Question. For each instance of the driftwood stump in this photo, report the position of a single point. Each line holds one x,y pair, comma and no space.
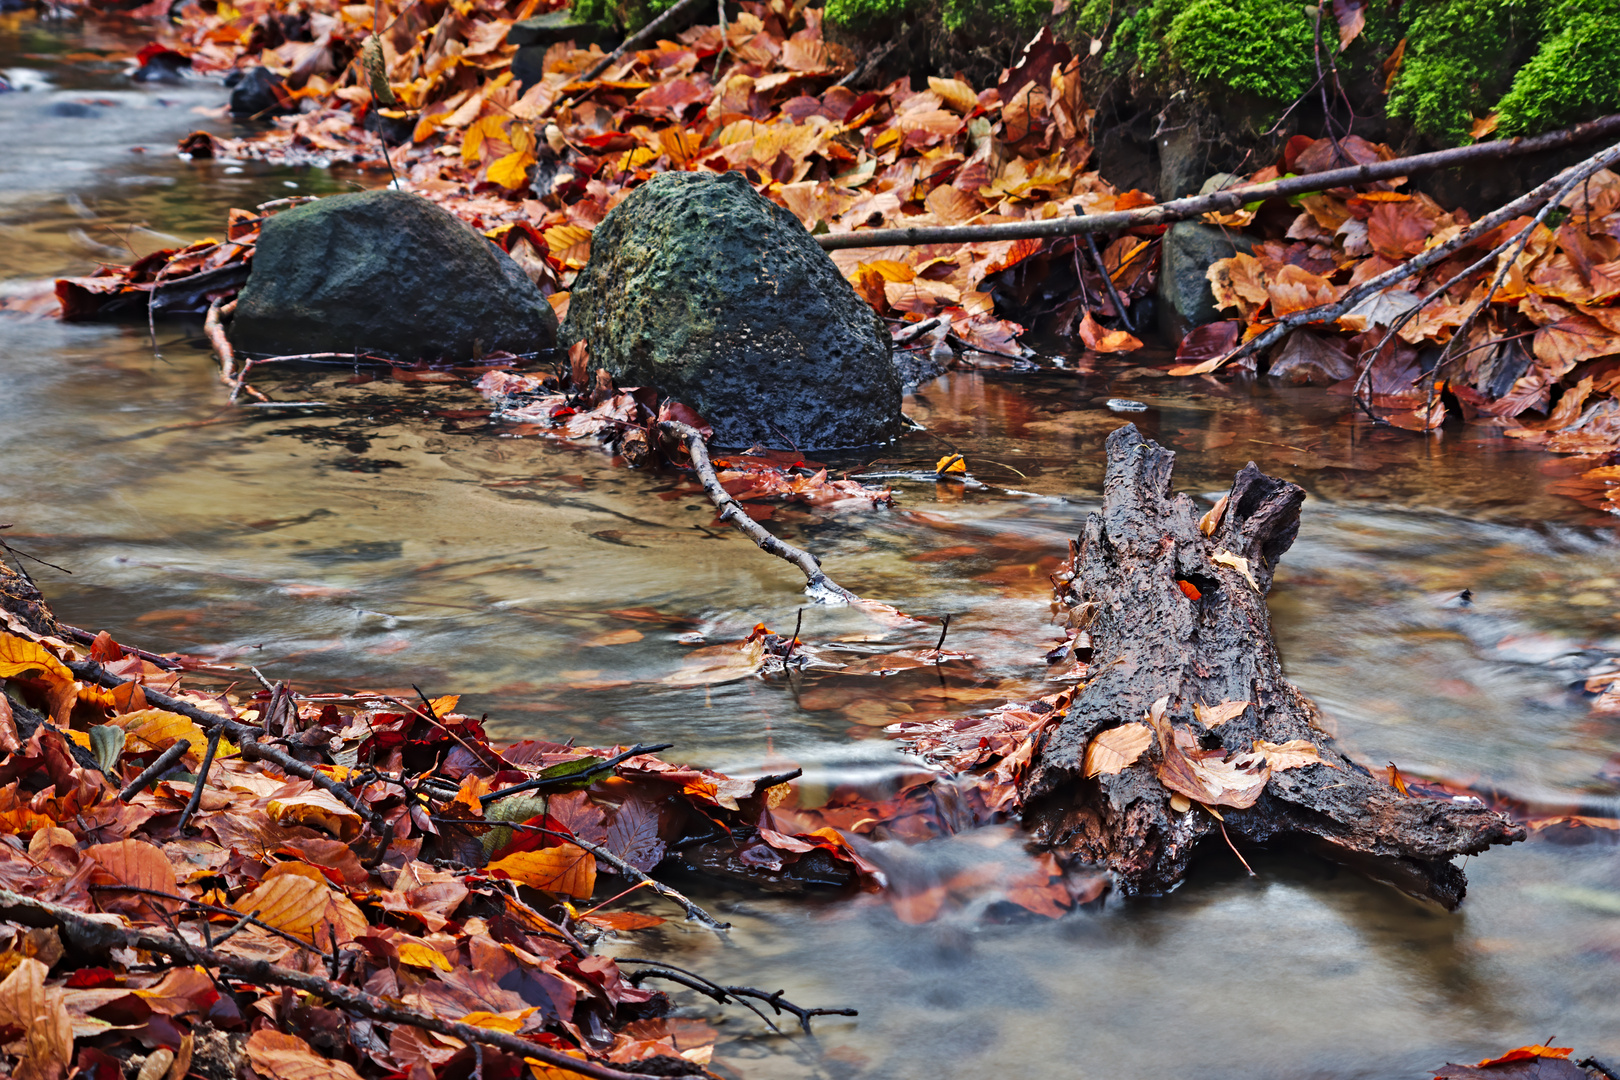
1151,639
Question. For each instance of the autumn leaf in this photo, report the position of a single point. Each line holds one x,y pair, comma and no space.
301,903
139,864
1236,562
567,870
625,636
1213,716
1212,519
46,1042
1293,754
1239,282
318,810
20,657
622,920
511,171
1116,749
955,93
1204,776
415,954
951,463
276,1056
1100,340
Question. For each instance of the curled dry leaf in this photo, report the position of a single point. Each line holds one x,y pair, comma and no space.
42,1016
1116,749
318,810
1212,519
1236,562
276,1056
1293,754
567,870
1213,716
1203,776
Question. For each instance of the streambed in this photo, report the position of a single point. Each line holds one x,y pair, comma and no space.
394,536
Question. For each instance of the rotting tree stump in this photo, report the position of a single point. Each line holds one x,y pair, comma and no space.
1150,639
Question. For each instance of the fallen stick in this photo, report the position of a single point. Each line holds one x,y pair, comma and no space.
245,736
1416,265
641,37
163,764
821,588
102,933
1227,199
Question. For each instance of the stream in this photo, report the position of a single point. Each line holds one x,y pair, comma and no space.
392,535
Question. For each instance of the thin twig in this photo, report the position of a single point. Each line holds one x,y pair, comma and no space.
605,765
1226,199
1108,282
85,637
202,779
777,1001
163,764
100,933
1419,263
215,908
821,588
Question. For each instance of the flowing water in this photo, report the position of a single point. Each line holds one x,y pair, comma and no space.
392,536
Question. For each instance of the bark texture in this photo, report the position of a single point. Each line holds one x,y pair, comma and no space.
1149,640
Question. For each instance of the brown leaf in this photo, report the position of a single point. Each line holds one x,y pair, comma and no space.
296,898
567,870
47,1039
318,810
1239,282
275,1056
1098,339
1567,342
633,836
1116,749
1202,776
136,863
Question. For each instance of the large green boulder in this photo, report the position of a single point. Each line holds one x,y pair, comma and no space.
390,273
718,298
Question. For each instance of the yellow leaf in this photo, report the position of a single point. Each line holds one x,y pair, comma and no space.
888,269
493,1021
318,810
511,171
570,245
1236,562
288,899
19,656
636,157
154,729
416,954
1114,750
951,463
444,706
568,870
488,127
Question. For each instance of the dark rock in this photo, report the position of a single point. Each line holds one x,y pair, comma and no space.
255,95
386,272
1185,298
1183,161
73,110
548,29
395,129
1308,359
716,297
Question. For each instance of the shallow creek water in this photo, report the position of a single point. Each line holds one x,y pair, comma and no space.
393,536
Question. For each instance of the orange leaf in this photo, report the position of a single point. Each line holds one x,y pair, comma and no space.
1213,716
275,1056
623,920
318,810
951,463
289,900
1189,590
139,864
567,869
1525,1053
1100,340
19,656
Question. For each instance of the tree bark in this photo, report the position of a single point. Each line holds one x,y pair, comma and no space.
1151,640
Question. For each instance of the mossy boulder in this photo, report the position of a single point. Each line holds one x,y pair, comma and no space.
390,273
718,298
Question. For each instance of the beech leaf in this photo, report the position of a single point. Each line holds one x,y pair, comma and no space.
276,1056
1116,749
567,870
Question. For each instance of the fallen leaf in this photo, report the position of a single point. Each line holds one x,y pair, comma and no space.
1116,749
318,810
41,1015
415,954
1236,562
1212,518
1213,716
276,1056
1293,754
567,870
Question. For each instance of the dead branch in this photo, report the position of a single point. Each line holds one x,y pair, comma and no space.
663,969
245,736
163,764
645,35
101,933
1551,190
818,586
1227,199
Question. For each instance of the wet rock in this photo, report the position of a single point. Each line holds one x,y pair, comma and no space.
534,36
716,297
1185,299
1308,359
255,95
390,273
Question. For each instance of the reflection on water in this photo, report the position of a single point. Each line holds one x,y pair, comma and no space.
393,537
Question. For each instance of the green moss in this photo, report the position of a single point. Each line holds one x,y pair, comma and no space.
627,15
1258,47
862,14
1460,57
1574,75
1019,16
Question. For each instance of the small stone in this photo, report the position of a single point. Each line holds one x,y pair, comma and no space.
1116,404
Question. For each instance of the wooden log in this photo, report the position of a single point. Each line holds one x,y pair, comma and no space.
1152,640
